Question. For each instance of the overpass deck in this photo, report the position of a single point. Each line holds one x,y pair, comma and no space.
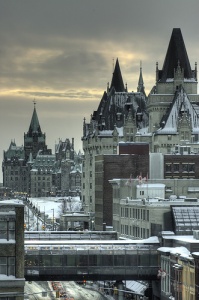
91,260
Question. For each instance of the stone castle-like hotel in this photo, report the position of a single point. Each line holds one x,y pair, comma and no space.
32,169
166,121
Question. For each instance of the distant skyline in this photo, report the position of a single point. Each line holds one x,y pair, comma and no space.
61,54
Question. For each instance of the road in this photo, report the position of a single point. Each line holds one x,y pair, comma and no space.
72,289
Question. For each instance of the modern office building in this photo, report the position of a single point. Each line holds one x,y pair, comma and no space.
141,208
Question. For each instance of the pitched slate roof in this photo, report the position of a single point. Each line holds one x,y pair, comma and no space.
117,81
176,54
14,151
180,106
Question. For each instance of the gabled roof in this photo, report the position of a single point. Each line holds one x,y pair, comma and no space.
181,105
34,124
14,151
117,81
176,54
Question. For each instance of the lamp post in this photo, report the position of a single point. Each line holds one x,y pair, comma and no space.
53,218
44,219
28,218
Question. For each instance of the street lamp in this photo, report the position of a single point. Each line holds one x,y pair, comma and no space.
44,219
53,218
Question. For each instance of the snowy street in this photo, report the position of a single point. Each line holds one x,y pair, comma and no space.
73,291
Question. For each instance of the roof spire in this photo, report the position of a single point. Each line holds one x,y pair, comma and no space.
34,124
140,87
176,54
117,81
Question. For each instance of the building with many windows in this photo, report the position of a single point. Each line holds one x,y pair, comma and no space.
12,249
166,119
32,169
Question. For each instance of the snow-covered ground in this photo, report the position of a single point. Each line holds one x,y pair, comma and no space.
51,207
54,205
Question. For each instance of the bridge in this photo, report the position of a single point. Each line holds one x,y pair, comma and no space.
77,260
70,235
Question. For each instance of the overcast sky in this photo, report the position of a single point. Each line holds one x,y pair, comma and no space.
60,53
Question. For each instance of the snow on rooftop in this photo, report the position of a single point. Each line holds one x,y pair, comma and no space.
183,251
13,202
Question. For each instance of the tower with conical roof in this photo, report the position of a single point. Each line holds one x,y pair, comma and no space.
34,139
117,80
176,72
107,127
140,88
176,84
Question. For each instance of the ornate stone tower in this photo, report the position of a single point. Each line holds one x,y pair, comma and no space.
34,139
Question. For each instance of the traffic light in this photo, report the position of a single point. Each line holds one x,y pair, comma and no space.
84,282
43,227
57,294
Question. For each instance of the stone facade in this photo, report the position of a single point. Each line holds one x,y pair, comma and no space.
12,248
140,210
33,170
167,118
115,166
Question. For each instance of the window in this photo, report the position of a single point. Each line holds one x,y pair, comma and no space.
191,168
176,167
7,265
184,167
168,167
7,230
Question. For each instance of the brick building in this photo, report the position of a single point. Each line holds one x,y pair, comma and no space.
129,165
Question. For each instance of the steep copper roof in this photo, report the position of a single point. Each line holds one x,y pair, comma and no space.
176,55
34,124
117,81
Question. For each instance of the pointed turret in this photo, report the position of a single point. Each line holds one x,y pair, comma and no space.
34,139
117,81
176,54
140,87
34,124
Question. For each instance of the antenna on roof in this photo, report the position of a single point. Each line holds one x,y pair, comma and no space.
34,102
140,64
